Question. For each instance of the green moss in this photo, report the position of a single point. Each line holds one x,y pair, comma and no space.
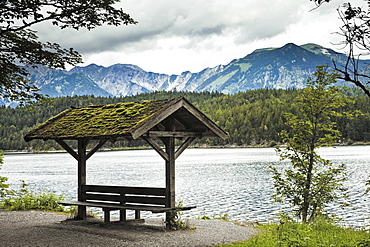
93,121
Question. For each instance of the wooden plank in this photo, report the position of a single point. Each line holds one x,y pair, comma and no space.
67,148
125,189
181,120
103,197
153,209
156,147
183,146
146,191
128,199
114,206
145,200
176,134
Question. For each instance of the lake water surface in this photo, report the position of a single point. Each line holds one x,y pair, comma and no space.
218,181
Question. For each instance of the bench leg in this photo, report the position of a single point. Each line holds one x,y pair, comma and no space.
106,215
122,215
81,212
137,214
169,217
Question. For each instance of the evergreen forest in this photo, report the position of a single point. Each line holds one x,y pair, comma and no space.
252,118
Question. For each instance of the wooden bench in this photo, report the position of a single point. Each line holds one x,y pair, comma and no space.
121,198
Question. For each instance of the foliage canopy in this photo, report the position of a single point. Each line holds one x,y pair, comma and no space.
20,48
312,182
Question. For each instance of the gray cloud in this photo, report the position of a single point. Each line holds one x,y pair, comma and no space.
248,20
192,25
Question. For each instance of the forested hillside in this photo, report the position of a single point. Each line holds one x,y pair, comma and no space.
251,118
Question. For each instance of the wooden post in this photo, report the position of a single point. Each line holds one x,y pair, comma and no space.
122,212
170,170
82,157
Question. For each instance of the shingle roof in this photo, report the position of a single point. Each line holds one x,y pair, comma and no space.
129,120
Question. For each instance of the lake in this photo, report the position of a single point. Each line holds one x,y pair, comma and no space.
235,181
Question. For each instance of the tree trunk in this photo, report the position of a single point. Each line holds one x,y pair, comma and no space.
306,193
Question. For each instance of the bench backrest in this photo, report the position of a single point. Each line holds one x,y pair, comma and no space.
125,195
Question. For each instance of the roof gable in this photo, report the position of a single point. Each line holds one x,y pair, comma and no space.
124,120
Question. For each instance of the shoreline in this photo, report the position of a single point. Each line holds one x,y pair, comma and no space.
13,152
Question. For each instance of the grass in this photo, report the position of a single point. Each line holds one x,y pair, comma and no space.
318,234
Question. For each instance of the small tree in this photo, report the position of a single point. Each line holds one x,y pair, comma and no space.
312,182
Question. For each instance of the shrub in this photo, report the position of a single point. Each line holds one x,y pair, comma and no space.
175,221
24,199
3,185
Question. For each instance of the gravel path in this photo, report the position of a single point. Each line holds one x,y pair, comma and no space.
35,228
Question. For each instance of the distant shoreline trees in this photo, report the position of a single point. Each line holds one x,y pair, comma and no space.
252,118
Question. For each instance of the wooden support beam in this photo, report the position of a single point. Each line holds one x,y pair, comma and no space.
156,147
170,169
183,146
156,119
205,120
137,214
181,123
67,148
82,144
96,148
176,134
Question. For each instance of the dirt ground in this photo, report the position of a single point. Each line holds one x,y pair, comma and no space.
36,228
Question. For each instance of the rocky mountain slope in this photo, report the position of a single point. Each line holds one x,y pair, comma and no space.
280,68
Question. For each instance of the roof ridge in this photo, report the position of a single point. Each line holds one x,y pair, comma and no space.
128,102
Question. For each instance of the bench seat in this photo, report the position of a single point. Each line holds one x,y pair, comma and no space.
110,206
124,198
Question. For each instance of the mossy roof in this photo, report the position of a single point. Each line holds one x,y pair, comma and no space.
116,120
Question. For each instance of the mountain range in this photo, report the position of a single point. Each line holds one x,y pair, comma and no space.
285,67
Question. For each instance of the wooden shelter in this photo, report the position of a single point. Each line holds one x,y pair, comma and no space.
153,121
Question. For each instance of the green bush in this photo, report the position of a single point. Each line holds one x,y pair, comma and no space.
3,185
24,199
175,221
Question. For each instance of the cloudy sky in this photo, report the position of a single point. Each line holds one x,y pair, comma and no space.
175,36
